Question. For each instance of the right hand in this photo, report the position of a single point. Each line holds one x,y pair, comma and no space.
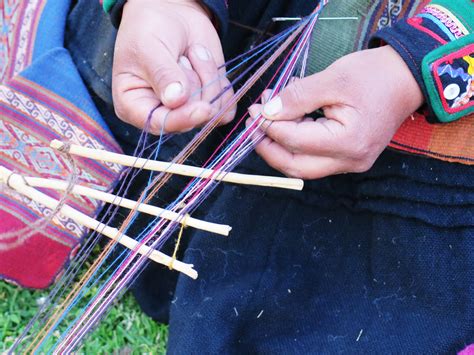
166,51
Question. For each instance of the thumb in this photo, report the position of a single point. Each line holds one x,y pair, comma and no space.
166,77
301,97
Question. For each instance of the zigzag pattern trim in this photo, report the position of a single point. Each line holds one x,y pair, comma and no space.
453,73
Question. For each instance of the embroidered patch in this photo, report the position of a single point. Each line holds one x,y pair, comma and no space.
448,73
444,20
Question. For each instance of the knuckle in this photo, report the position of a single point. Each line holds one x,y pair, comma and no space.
361,151
341,76
297,93
291,144
120,110
363,165
209,71
293,171
163,75
341,79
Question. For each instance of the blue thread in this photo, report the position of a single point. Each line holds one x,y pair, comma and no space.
453,73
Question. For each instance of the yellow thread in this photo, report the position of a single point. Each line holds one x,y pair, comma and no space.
184,224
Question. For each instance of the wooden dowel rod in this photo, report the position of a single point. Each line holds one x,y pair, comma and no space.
61,185
16,182
178,169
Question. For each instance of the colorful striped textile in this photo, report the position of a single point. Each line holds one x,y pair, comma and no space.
450,141
42,97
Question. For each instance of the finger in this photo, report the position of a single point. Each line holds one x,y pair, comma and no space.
205,66
257,119
308,136
182,119
302,97
257,134
266,96
133,100
227,99
296,165
255,110
133,105
165,75
193,78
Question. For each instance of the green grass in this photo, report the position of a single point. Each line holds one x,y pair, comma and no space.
126,329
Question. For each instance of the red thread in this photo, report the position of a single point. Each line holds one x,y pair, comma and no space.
417,23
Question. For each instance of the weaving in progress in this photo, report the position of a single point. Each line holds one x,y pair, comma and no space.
70,196
69,221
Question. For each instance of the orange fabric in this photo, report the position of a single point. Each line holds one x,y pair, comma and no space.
453,142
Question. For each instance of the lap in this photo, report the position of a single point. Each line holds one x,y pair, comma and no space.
334,271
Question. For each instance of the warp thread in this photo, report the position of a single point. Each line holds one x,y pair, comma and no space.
223,159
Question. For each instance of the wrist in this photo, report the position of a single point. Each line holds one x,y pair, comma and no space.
194,4
409,92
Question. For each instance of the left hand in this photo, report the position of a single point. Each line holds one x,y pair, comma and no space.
365,97
168,54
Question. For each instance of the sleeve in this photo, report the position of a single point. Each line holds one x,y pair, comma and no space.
218,8
108,4
438,46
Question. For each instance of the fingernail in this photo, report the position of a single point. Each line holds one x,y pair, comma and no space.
202,52
184,61
273,107
173,91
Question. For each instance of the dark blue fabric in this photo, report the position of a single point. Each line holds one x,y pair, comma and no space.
333,274
219,10
380,262
217,7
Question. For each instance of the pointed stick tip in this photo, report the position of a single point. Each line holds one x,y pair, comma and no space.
56,144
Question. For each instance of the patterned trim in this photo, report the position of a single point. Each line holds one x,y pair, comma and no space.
27,125
449,142
28,213
445,20
448,75
20,19
452,36
30,117
417,23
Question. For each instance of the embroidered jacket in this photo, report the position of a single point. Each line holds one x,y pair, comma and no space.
438,46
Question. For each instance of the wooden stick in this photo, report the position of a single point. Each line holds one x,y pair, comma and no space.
16,182
179,169
61,185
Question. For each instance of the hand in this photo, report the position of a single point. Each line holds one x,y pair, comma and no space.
166,51
365,97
